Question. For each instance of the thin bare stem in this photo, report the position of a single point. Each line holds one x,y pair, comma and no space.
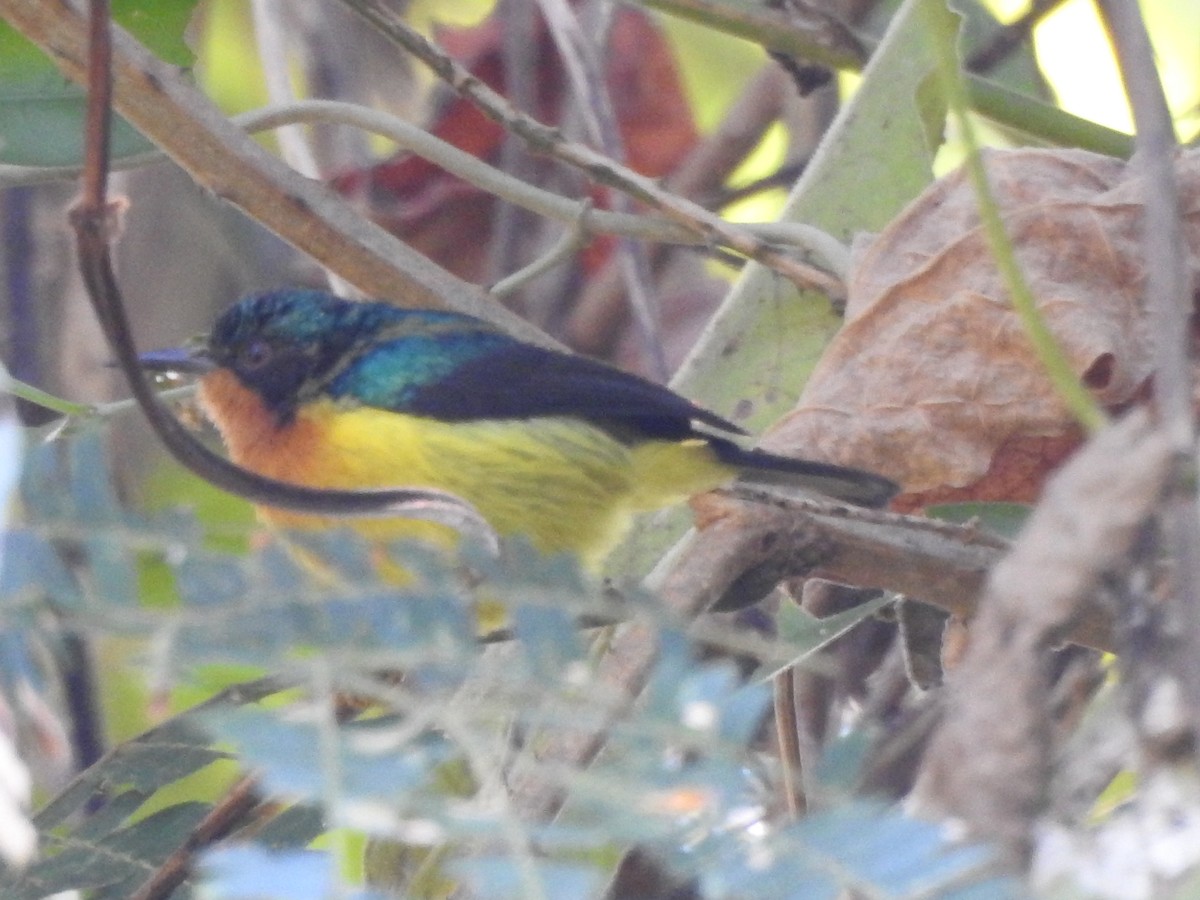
586,73
564,248
826,249
544,139
784,33
269,32
229,812
787,733
1008,38
1169,302
817,36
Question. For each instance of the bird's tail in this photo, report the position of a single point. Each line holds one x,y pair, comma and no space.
840,482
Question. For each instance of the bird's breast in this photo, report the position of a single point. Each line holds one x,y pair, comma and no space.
251,432
561,481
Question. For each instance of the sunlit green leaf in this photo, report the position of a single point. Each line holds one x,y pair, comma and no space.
41,113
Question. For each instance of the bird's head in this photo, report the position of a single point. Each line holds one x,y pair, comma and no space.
289,347
283,345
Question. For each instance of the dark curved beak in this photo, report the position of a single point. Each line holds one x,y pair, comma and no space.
185,360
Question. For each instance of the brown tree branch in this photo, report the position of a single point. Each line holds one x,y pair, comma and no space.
937,563
227,814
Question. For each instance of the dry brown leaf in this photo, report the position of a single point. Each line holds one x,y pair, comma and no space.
932,380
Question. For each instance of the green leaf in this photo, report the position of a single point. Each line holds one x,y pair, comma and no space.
1018,70
508,877
859,848
293,829
144,764
264,609
732,710
162,756
801,634
41,112
111,815
680,773
113,863
34,572
159,25
47,129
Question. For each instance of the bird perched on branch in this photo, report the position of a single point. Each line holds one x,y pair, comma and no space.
312,389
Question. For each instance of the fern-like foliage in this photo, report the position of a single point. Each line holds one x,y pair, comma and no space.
381,721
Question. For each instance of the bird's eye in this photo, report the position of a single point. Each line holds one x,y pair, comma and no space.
254,355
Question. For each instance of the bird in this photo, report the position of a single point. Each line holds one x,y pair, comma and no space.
313,389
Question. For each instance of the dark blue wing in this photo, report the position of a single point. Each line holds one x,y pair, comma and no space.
518,381
456,368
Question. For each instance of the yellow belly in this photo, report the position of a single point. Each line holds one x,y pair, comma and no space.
566,485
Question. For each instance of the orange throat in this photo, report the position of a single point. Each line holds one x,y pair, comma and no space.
256,441
250,431
305,451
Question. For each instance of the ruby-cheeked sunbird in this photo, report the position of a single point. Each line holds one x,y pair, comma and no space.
309,388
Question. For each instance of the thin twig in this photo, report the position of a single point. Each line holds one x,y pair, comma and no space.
787,733
580,59
1082,405
564,248
226,816
269,34
547,140
777,31
598,315
1004,40
98,123
1169,304
822,247
831,254
817,36
543,202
